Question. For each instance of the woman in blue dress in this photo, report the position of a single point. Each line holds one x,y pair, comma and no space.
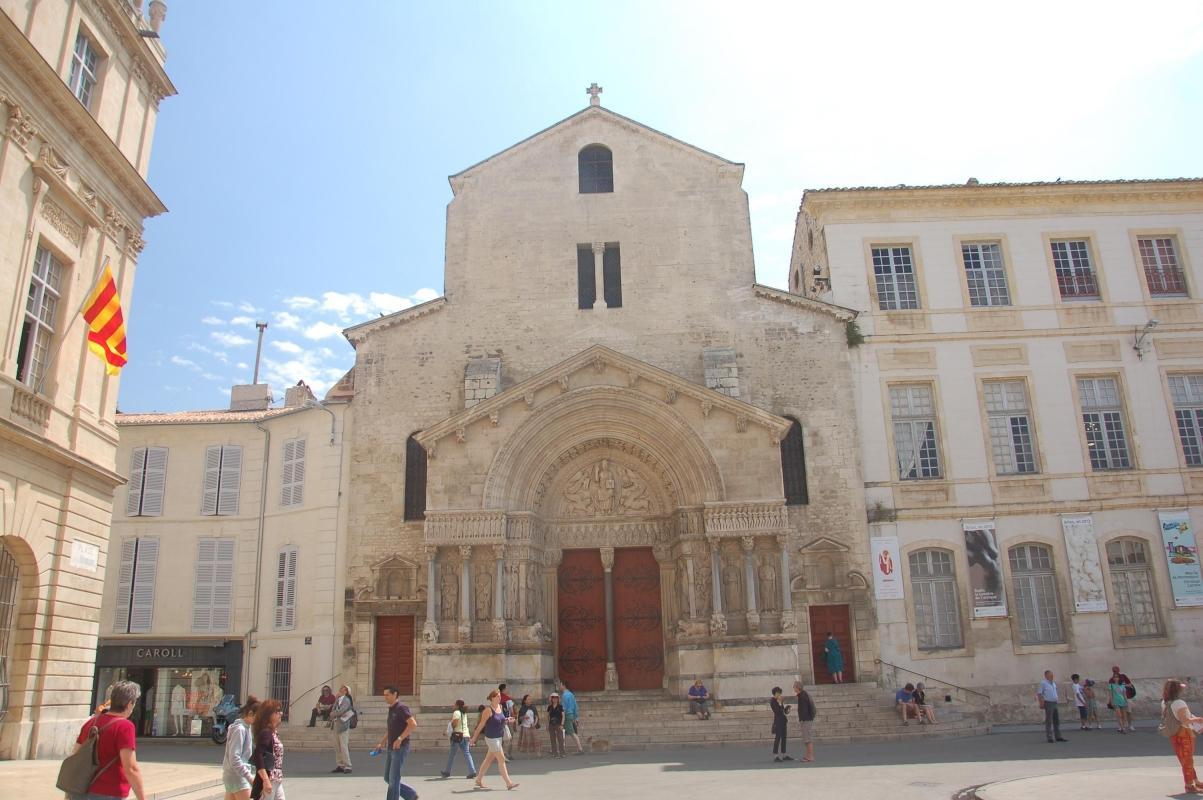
835,659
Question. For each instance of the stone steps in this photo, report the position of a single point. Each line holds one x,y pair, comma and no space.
647,720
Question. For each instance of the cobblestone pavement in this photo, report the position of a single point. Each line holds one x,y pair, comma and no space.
893,770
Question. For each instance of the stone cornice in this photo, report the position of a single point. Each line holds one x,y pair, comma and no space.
835,205
44,83
358,333
147,64
599,358
798,301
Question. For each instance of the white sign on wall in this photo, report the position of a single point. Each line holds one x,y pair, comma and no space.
1085,572
85,556
887,574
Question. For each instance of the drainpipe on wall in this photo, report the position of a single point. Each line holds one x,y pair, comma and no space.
338,499
250,634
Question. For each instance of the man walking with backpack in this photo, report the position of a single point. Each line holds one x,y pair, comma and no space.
104,764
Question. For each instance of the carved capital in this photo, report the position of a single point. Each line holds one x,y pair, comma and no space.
20,127
741,424
431,551
465,552
746,543
707,407
461,435
718,625
607,558
494,418
782,541
599,249
430,632
499,551
670,395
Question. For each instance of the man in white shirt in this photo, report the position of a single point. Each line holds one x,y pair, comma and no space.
1046,696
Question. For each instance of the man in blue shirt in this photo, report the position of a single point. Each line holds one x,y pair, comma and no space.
904,701
698,700
572,715
1047,697
401,724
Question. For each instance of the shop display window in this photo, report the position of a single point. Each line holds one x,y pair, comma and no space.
176,701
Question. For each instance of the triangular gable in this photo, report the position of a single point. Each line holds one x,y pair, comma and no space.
456,180
599,357
823,544
807,303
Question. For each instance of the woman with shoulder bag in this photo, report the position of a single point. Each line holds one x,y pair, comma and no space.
1176,724
340,724
119,771
493,724
269,753
457,729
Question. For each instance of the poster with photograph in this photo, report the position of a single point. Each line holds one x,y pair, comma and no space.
985,570
1085,571
887,574
1182,555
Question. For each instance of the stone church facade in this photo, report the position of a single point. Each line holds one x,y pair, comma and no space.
605,454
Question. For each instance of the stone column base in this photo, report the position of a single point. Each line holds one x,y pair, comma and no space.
753,618
430,632
465,632
611,677
718,625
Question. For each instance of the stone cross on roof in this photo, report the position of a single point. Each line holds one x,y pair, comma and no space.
593,91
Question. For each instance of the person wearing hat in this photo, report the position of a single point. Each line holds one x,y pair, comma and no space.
555,725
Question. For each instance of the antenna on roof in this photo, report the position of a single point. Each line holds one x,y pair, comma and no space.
262,326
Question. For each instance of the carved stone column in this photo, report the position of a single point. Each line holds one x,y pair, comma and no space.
693,603
607,558
550,576
747,544
718,622
499,628
430,630
788,623
465,594
599,278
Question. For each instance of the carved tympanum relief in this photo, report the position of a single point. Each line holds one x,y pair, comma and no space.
606,488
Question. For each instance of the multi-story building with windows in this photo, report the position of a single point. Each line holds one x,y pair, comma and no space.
228,565
1030,391
80,87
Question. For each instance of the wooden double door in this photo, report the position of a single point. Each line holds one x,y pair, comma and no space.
637,620
394,654
835,619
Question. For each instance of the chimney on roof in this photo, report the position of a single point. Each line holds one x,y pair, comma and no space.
297,396
971,182
250,397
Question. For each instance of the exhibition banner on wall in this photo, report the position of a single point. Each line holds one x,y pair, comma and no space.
985,570
1182,555
887,576
1085,571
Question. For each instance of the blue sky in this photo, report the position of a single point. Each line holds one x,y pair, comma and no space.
305,159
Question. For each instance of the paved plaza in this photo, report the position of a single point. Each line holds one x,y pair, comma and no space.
1097,764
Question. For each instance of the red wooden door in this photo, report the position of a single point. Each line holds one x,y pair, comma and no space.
834,619
395,654
581,626
638,640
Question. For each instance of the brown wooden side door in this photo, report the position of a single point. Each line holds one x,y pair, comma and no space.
581,623
834,619
395,654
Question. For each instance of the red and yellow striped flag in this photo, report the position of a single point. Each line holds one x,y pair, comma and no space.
106,326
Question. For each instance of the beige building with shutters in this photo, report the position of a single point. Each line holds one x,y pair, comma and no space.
80,88
1030,406
228,570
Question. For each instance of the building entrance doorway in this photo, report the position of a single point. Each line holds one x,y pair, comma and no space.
834,619
395,654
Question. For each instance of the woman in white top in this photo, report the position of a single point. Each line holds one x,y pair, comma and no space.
458,731
1176,714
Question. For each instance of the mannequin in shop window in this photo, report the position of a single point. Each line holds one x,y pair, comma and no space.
179,708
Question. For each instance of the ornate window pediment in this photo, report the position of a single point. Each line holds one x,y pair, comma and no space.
395,578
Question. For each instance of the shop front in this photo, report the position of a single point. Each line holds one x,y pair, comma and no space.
182,681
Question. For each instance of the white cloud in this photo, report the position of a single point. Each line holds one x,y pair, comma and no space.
213,321
242,365
186,362
287,347
322,330
220,355
424,295
246,308
388,303
246,322
222,303
210,376
286,320
345,304
230,339
300,303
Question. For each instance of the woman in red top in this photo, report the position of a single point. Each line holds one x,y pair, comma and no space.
115,748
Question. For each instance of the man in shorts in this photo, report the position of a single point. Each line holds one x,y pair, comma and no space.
572,716
807,711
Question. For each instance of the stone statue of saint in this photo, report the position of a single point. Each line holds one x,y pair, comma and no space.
701,590
449,594
732,587
683,588
769,591
534,595
484,595
511,591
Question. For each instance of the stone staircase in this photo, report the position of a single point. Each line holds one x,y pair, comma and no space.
652,720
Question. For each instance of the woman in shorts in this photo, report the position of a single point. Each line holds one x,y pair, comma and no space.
237,774
493,724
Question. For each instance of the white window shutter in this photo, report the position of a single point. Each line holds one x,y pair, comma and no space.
223,585
202,596
212,480
286,589
133,489
292,477
125,580
231,477
142,611
154,482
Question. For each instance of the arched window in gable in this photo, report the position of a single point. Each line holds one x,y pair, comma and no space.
595,169
793,466
415,480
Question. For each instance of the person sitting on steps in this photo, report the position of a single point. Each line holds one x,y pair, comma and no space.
699,700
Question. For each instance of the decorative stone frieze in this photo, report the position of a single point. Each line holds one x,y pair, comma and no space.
454,527
742,519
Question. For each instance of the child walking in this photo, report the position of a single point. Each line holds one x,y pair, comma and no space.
1092,706
780,721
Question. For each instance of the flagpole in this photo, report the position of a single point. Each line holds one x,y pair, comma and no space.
63,339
